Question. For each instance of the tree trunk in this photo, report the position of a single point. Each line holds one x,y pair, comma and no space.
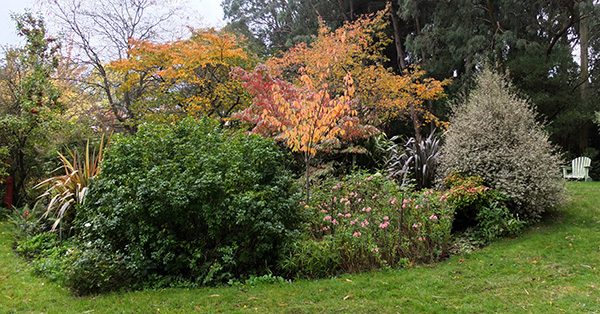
307,164
584,44
400,54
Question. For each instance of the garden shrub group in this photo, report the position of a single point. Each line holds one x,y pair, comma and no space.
494,135
480,210
189,202
368,222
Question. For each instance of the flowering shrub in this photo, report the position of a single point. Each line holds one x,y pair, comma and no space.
369,222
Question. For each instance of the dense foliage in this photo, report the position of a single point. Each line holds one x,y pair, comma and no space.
29,104
494,135
480,211
189,202
365,222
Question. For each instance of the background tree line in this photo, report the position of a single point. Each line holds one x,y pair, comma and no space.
121,64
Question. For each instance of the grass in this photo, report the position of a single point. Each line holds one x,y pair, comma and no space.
553,267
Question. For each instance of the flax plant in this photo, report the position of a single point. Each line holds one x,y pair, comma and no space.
69,189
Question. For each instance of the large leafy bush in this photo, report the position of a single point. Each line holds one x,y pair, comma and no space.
189,203
494,134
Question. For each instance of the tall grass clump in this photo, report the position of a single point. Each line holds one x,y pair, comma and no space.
494,134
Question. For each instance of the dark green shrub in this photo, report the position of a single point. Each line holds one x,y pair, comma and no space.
34,246
191,202
494,134
481,211
365,222
91,269
495,221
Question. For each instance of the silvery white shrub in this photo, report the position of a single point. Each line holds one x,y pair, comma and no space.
494,134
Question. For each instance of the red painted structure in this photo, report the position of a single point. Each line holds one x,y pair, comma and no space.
8,199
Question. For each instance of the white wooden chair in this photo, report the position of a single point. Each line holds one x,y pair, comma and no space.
580,167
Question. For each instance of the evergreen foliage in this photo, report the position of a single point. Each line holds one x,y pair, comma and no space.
494,134
190,203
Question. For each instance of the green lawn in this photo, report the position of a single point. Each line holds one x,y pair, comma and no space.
554,267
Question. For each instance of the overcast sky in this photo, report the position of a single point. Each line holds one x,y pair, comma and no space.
210,10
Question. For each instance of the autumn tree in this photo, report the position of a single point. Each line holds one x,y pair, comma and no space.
306,119
29,100
357,49
186,77
102,30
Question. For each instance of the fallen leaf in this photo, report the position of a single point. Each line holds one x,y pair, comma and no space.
534,261
348,280
347,297
283,304
588,266
252,298
198,308
213,295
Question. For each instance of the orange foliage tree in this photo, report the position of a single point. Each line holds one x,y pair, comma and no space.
306,119
357,49
186,77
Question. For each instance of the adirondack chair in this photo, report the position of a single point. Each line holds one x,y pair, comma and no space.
580,167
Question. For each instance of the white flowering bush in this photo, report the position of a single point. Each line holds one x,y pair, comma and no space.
494,134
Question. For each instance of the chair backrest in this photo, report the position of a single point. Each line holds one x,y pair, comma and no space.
579,165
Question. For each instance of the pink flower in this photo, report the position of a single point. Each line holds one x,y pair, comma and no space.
386,218
340,215
362,224
325,228
324,211
374,196
417,225
425,199
443,198
348,215
384,225
433,217
369,178
356,234
421,239
375,250
347,202
352,222
334,222
393,201
335,198
327,218
366,222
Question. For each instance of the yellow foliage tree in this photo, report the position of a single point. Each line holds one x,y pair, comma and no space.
306,119
357,49
186,77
